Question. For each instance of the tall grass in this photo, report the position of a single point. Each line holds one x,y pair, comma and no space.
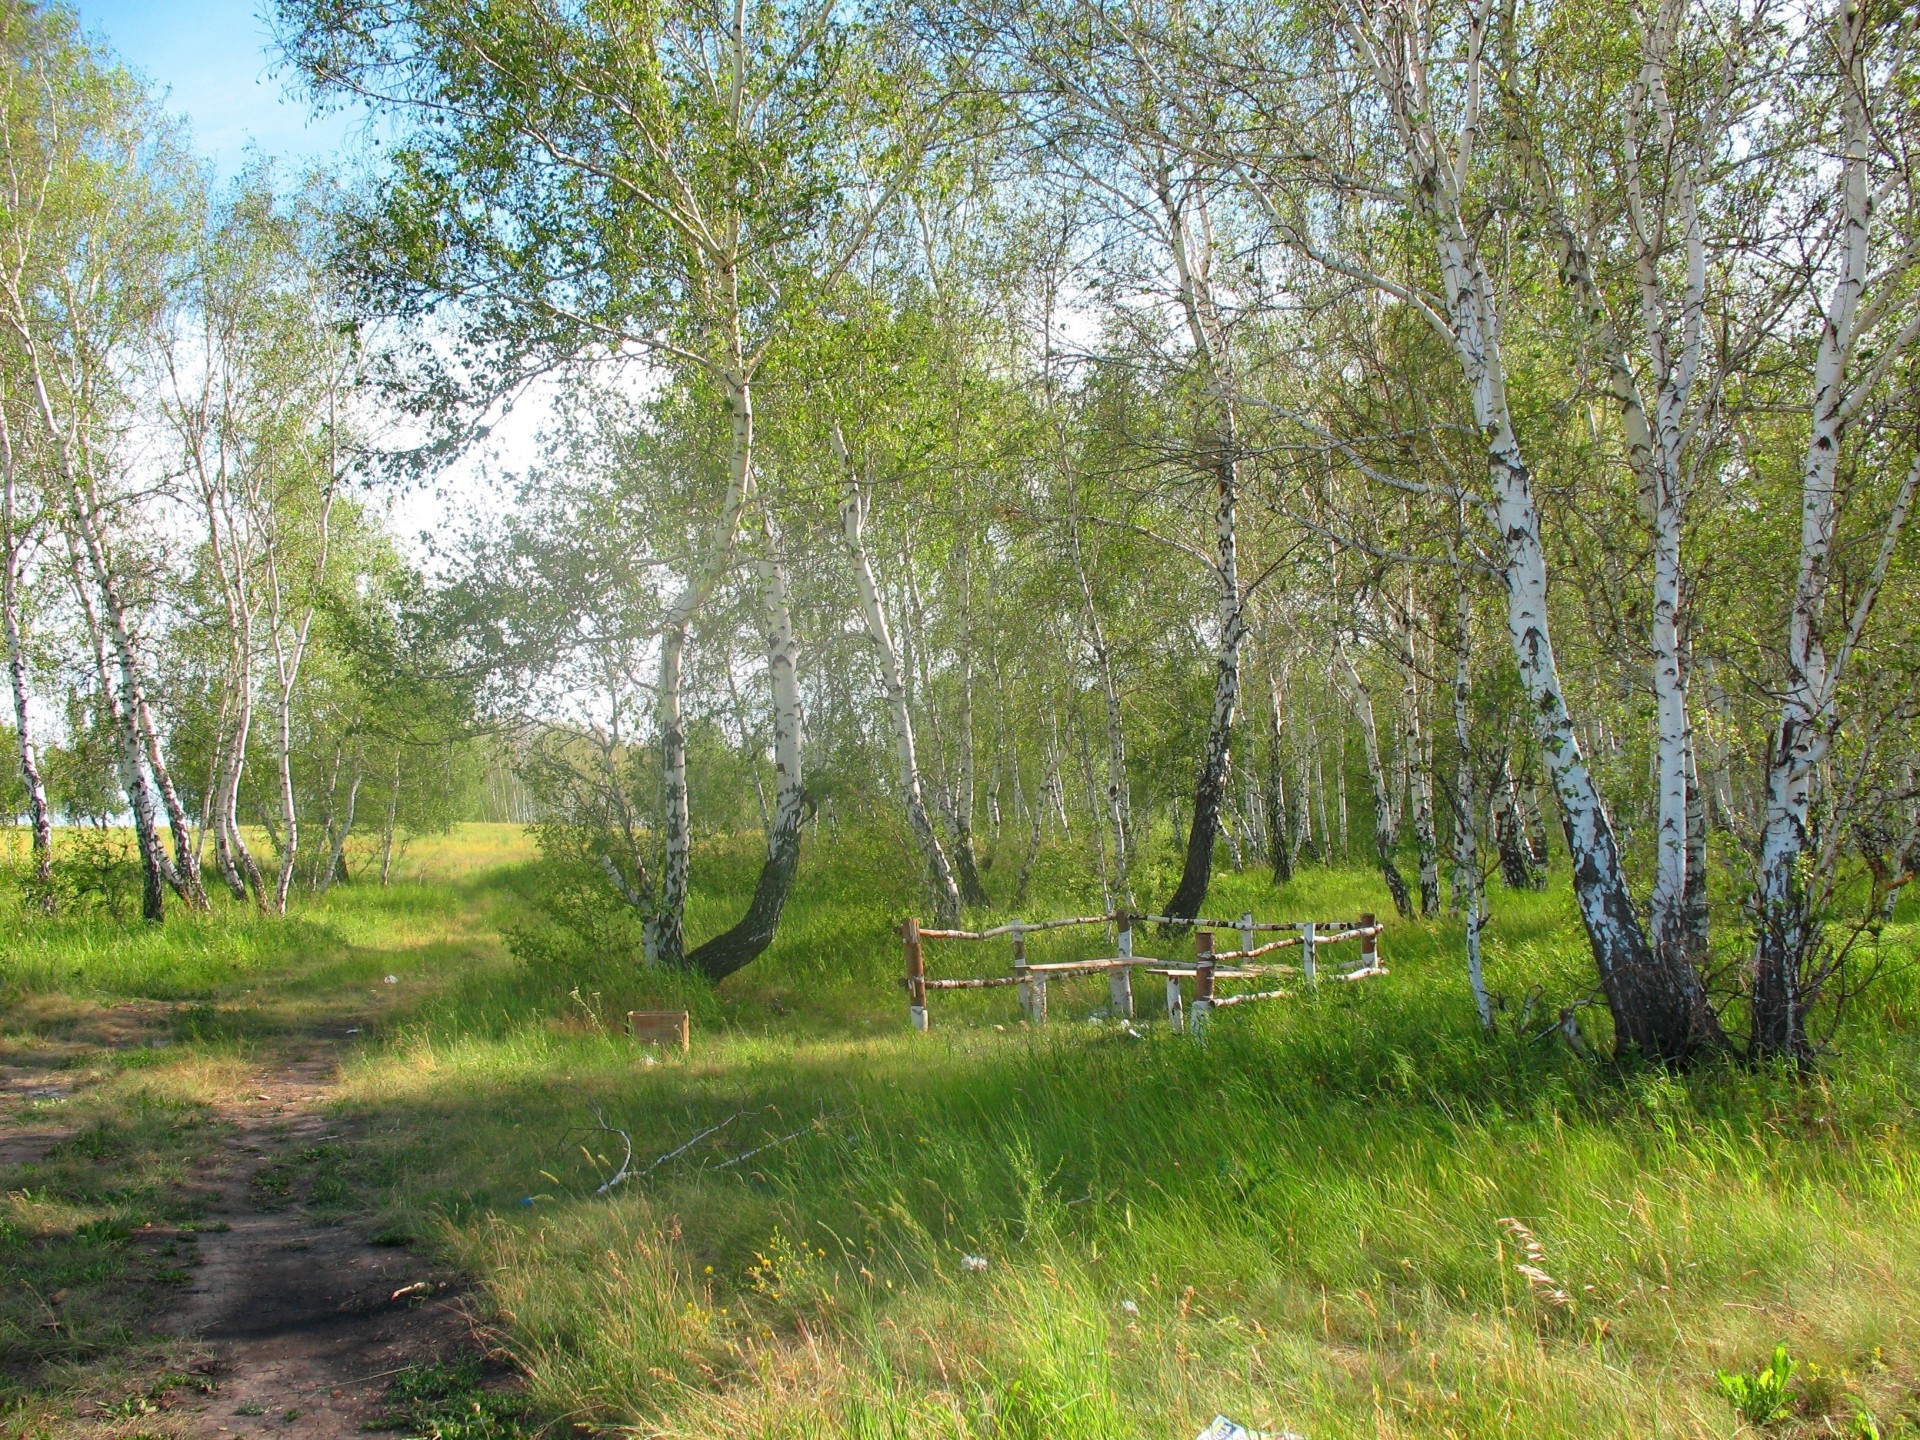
1296,1223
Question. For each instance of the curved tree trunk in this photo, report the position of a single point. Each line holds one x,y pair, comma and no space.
1787,969
1279,822
1192,259
1119,796
1468,885
665,926
733,949
972,892
853,518
1386,824
39,812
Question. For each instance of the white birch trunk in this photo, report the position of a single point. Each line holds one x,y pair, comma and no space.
1192,256
1386,824
337,852
664,930
393,815
1659,1010
1119,796
1788,928
1419,767
853,516
972,892
15,534
746,941
1468,885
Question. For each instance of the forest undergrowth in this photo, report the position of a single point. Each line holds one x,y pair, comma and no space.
1345,1214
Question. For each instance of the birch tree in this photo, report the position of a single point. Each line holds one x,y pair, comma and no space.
1867,329
660,188
90,225
1429,74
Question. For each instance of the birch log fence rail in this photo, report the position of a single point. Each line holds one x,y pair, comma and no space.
1205,971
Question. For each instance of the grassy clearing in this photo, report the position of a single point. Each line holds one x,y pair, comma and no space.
1297,1224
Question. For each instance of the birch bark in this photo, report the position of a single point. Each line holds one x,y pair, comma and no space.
1469,886
1192,252
972,892
1119,797
853,519
1657,1011
1419,762
1280,828
15,532
1386,824
1785,967
664,930
746,941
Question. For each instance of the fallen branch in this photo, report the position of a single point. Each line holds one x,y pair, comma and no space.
626,1171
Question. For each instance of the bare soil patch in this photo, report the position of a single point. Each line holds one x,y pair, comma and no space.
292,1321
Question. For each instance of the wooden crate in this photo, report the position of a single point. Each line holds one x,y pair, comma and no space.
660,1027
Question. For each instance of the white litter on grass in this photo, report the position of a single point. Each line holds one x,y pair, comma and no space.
975,1263
1224,1429
393,979
1127,1307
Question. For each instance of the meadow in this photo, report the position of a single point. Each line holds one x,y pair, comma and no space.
1315,1221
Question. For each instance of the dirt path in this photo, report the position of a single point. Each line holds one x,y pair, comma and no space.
305,1321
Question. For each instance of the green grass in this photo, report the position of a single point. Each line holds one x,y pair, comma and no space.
1296,1224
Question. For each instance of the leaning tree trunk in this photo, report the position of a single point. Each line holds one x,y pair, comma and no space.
1787,971
1279,826
1659,1009
1517,867
745,942
184,871
1192,258
1468,884
337,852
39,812
1386,824
853,517
664,931
1119,796
972,892
1209,791
1420,779
156,875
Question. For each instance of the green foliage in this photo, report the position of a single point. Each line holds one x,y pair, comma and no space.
1764,1396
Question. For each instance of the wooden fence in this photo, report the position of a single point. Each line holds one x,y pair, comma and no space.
1208,968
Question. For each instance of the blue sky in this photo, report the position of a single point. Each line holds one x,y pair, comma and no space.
212,61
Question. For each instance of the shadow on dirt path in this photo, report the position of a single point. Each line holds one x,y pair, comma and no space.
292,1319
305,1321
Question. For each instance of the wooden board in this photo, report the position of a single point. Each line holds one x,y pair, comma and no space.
660,1027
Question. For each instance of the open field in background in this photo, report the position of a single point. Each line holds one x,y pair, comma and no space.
1296,1224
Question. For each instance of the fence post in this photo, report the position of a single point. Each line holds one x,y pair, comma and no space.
1307,947
1120,978
1202,982
1033,988
1369,944
1246,933
916,973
